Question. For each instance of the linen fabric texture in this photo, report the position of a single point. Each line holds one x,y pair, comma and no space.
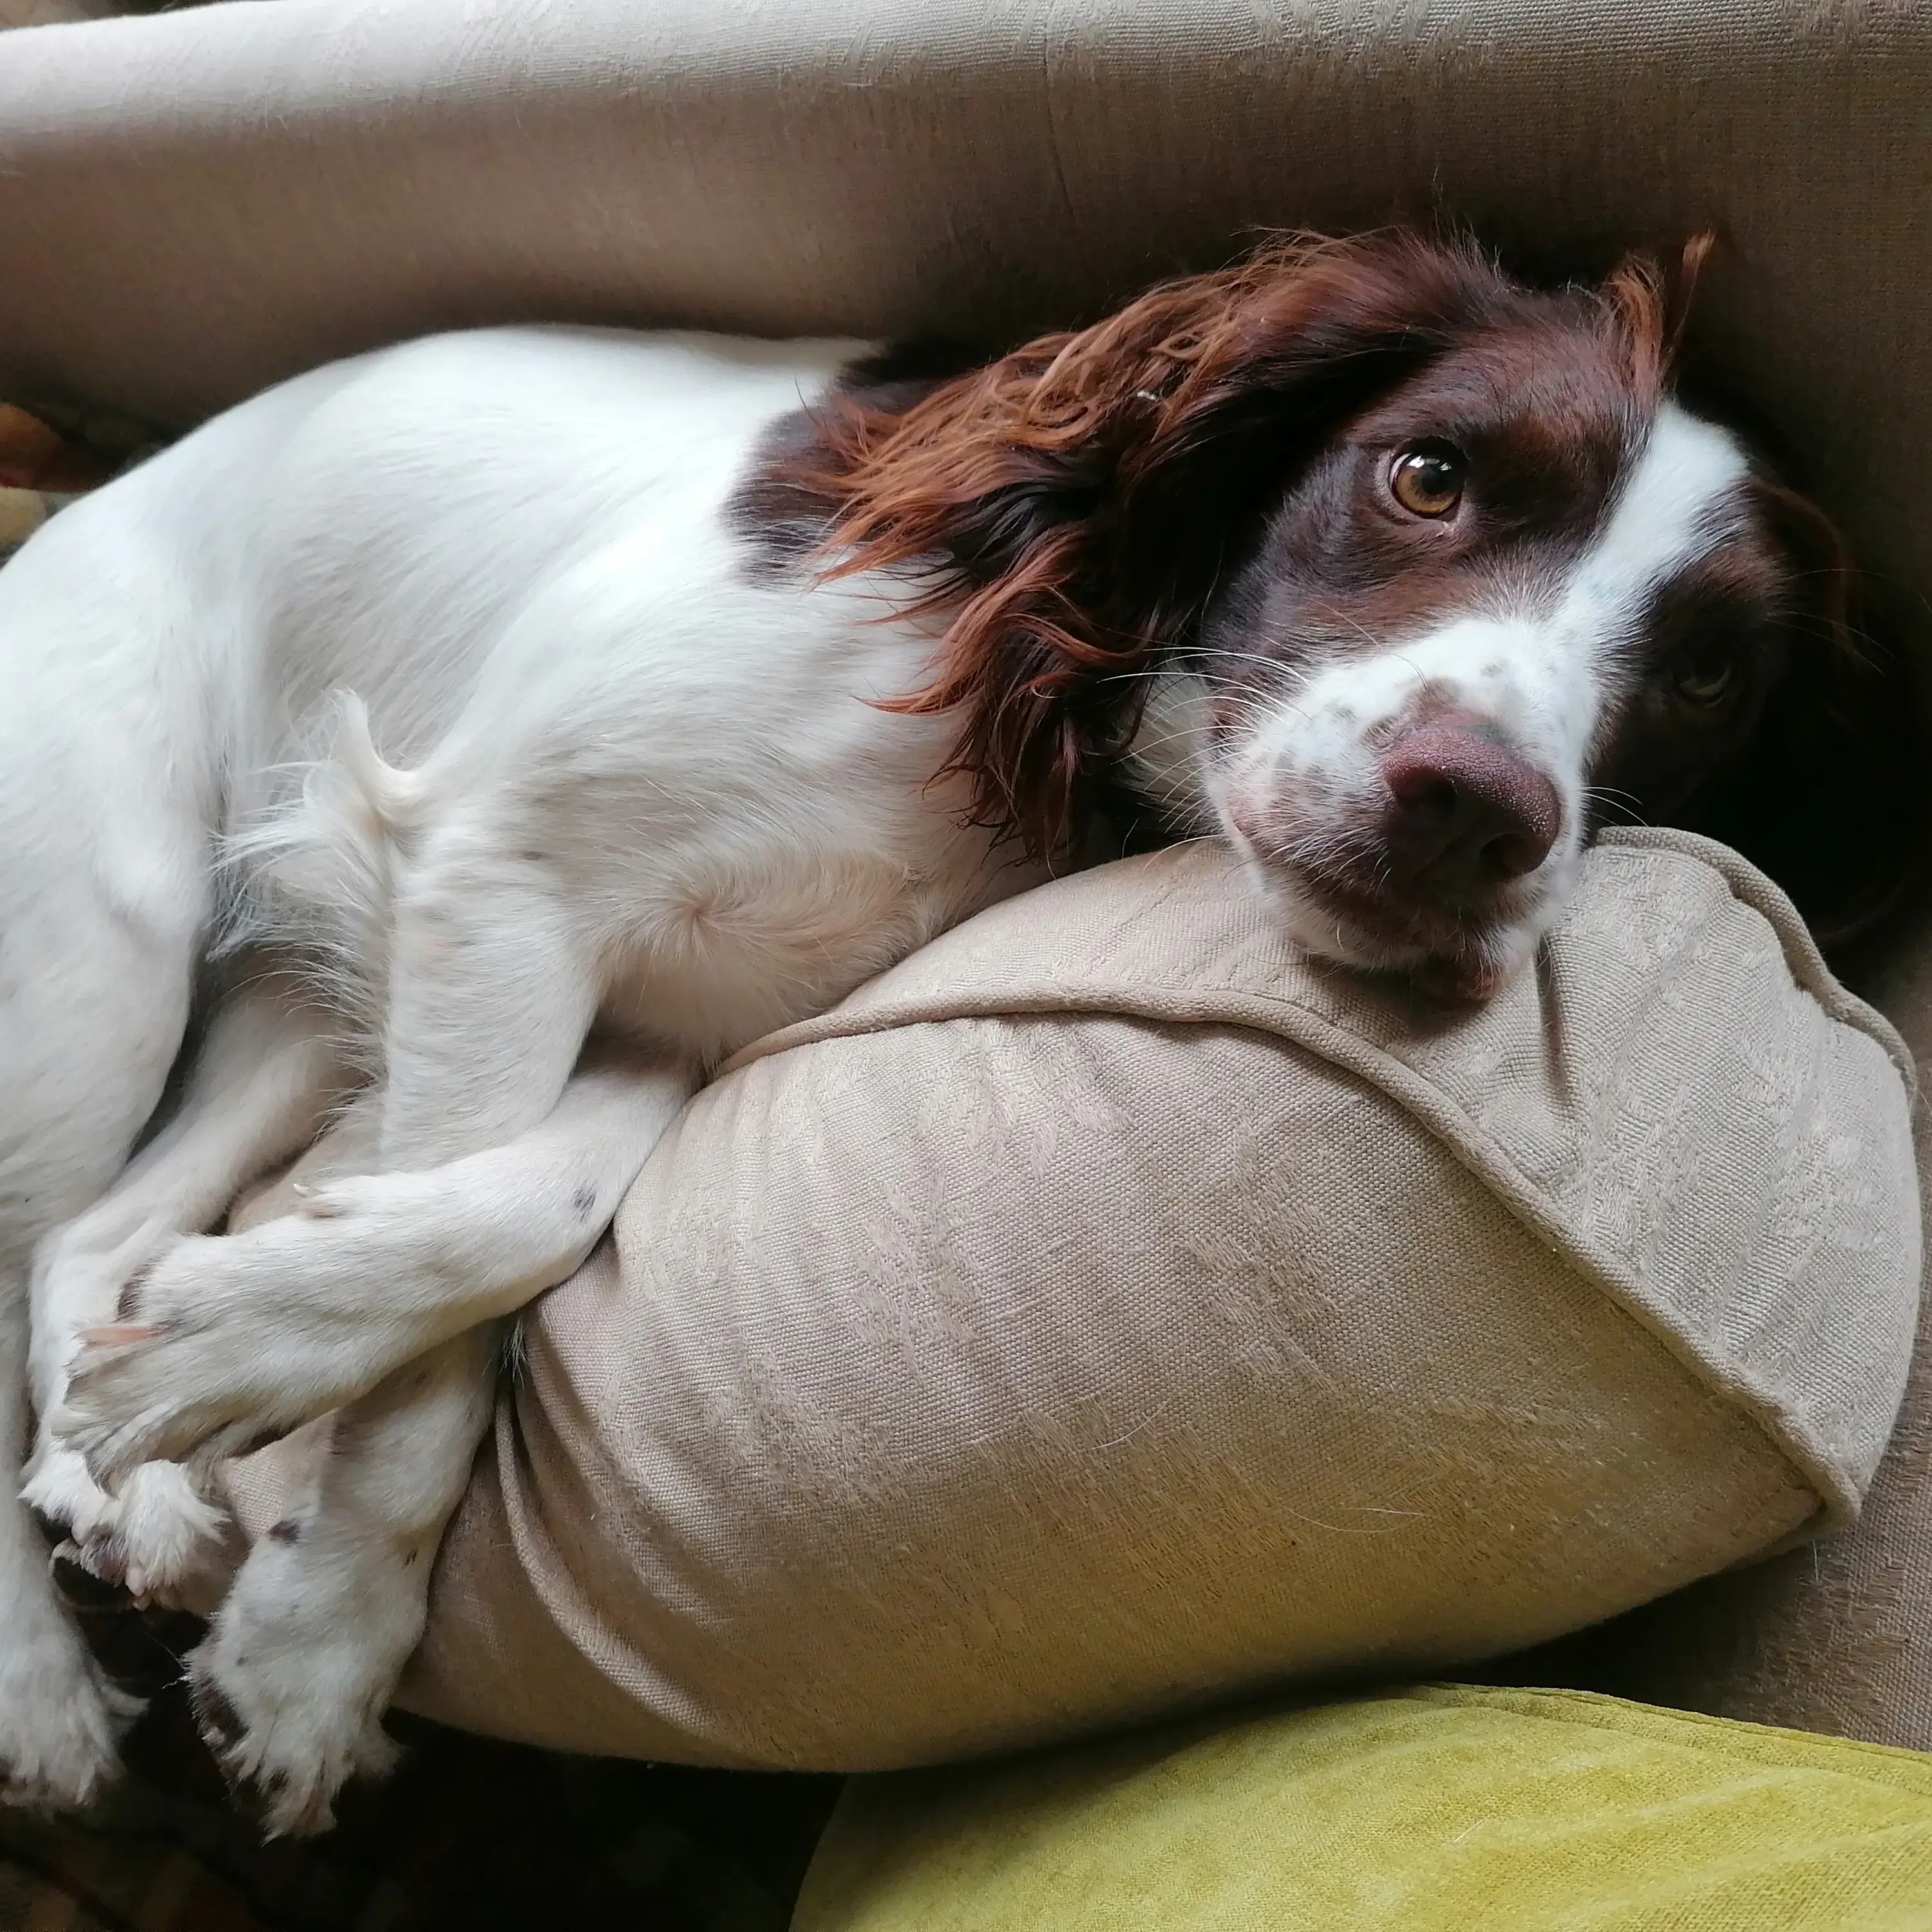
1109,1309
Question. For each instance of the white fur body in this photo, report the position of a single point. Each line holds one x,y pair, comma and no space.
623,776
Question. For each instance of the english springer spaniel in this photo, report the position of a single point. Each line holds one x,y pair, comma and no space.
689,681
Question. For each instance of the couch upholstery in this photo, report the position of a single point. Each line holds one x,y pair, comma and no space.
235,193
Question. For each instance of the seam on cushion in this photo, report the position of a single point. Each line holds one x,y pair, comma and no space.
1471,1145
1665,1723
1477,1151
1284,1017
1762,896
1747,887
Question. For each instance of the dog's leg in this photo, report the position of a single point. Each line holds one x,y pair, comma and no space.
293,1681
260,1088
59,1717
492,989
98,928
230,1339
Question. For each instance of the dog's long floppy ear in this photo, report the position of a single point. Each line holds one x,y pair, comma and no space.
1833,798
1073,504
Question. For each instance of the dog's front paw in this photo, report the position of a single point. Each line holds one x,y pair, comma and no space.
193,1368
291,1683
160,1537
163,1380
228,1342
285,1746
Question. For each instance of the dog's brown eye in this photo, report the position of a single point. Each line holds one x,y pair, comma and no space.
1703,677
1428,481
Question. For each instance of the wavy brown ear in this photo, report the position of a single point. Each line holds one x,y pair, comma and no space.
1653,301
1074,503
1833,800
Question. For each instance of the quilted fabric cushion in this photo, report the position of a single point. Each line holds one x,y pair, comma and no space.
1837,1636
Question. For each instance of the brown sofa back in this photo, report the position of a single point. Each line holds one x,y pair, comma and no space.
192,205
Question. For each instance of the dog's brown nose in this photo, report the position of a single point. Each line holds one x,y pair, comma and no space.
1466,813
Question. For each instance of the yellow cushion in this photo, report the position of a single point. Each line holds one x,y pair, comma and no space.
1464,1810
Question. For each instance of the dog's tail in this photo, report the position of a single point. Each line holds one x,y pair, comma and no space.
318,871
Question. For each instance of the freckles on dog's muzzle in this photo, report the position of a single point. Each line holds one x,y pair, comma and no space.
1426,863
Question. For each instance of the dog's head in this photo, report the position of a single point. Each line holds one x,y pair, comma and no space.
1406,576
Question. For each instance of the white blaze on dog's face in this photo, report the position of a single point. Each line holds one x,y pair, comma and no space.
1514,587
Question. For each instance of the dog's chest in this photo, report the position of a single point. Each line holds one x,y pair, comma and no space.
736,945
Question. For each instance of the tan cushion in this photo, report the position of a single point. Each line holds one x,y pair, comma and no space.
193,204
1108,1308
1837,1636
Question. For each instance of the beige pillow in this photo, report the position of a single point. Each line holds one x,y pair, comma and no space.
1108,1309
1836,1636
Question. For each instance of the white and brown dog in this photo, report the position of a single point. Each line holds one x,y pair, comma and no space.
692,681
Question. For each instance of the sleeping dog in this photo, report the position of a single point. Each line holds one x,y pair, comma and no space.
488,735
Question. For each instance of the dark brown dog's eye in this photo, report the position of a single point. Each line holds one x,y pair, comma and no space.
1428,481
1703,677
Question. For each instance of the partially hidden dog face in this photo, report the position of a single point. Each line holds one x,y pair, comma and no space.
1402,575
